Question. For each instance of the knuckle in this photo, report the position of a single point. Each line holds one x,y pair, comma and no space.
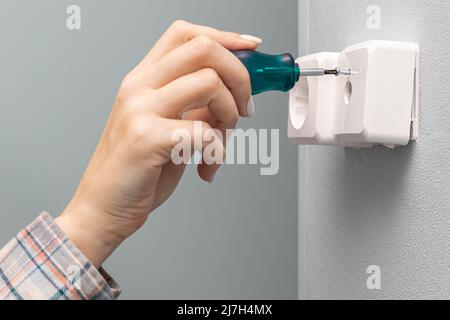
243,84
137,128
145,135
205,128
202,45
179,25
181,29
244,77
126,81
140,132
127,85
211,79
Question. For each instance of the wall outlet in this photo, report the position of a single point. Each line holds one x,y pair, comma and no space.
377,106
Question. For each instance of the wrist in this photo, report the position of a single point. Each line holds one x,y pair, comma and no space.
90,232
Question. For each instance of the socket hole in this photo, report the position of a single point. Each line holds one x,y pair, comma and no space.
299,104
348,92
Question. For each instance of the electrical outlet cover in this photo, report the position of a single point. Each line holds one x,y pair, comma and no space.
376,106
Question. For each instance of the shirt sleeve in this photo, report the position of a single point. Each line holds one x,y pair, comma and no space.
41,263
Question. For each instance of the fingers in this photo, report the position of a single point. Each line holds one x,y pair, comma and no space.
220,113
200,53
205,115
196,90
193,69
181,32
189,137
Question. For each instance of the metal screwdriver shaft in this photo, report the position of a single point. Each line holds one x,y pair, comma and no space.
318,72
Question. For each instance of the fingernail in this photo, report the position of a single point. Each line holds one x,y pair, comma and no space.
251,38
251,107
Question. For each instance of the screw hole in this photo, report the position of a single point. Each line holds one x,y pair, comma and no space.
348,92
299,104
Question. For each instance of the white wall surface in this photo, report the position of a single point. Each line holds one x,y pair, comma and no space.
382,207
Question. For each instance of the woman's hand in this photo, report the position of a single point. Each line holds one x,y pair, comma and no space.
189,75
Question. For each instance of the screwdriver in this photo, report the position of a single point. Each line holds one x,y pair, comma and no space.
278,72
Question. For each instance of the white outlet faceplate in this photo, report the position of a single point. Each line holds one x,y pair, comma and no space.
379,105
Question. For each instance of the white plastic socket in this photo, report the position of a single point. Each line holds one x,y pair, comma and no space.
377,106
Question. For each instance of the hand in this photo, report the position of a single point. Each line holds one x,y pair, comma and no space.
189,75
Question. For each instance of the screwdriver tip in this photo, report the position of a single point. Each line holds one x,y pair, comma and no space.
337,72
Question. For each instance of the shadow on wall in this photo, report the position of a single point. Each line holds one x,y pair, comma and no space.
372,180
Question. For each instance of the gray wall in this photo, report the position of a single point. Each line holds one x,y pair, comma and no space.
235,239
382,207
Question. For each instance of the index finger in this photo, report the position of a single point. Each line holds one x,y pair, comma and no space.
201,53
181,32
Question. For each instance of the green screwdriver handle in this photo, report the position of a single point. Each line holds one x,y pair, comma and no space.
270,72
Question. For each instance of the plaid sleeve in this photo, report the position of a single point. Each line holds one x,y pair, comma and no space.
40,263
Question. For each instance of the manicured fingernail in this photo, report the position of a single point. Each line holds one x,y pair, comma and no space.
251,38
251,107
